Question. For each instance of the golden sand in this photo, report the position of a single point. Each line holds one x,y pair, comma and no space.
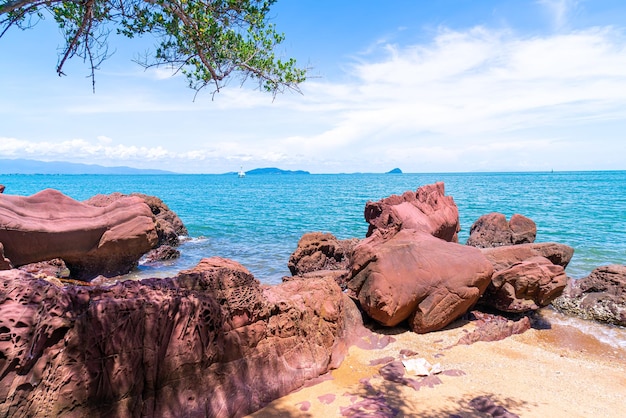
557,372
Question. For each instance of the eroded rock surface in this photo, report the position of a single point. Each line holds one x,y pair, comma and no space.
426,210
418,277
493,230
601,296
209,342
525,286
318,251
91,240
169,226
506,256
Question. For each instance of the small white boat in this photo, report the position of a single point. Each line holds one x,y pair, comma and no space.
241,173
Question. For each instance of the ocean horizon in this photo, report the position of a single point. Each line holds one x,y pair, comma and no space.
258,220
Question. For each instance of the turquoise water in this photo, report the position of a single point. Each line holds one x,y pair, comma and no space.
259,219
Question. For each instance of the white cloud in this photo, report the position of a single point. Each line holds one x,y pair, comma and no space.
473,99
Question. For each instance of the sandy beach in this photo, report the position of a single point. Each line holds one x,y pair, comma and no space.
554,372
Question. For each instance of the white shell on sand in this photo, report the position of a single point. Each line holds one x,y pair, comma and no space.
421,367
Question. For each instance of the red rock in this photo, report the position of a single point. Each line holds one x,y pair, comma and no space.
525,286
2,188
52,268
493,230
506,256
169,226
491,327
418,277
91,240
318,251
426,210
601,296
209,342
162,253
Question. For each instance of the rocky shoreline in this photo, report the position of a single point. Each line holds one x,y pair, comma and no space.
204,342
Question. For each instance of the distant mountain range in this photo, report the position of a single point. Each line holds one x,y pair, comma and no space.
273,170
22,166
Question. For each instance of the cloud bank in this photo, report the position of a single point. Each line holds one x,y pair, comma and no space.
479,99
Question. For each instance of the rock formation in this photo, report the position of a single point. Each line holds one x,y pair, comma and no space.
492,230
2,188
418,277
322,255
169,226
526,276
91,240
426,210
525,286
506,256
601,296
209,342
411,267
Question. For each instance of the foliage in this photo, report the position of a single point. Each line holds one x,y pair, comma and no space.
210,41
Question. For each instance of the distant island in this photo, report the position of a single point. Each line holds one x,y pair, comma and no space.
394,171
23,166
274,170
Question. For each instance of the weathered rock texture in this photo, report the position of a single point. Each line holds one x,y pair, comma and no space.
426,210
209,343
411,267
526,276
418,277
91,240
504,257
491,327
169,226
601,296
320,251
525,286
493,230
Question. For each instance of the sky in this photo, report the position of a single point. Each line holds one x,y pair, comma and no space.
425,86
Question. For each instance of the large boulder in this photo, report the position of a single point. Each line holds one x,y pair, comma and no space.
426,210
169,226
506,256
525,286
493,230
601,296
210,342
91,240
319,251
526,276
415,276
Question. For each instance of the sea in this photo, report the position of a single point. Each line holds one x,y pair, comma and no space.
257,220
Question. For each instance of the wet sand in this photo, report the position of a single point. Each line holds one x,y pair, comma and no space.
555,372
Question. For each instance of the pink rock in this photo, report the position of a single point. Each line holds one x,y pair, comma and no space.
210,342
426,210
91,240
506,256
525,286
318,251
493,230
418,277
169,226
601,296
494,328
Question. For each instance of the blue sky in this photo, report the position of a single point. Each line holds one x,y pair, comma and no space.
427,86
